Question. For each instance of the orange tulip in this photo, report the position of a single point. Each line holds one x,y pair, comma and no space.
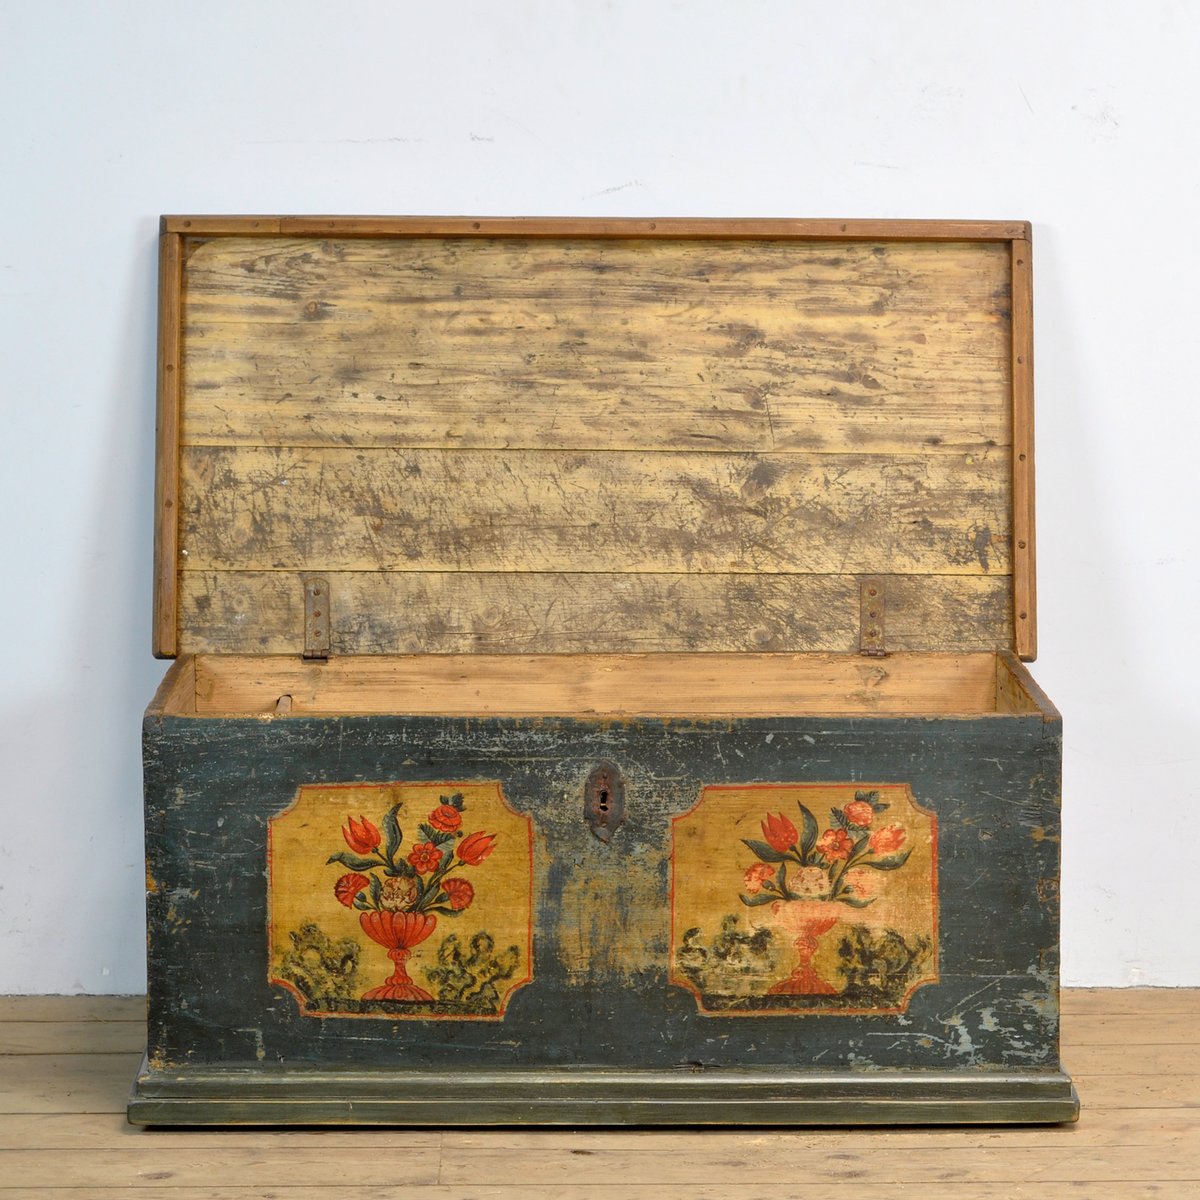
780,833
361,836
475,847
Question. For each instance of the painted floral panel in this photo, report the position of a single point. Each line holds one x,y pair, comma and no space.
804,898
402,900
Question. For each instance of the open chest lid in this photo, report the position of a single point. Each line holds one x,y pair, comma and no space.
415,435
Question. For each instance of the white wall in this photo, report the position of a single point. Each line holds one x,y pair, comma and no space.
1077,116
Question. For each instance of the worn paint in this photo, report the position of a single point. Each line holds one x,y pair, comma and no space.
601,993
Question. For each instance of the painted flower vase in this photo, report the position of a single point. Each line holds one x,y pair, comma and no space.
399,932
807,921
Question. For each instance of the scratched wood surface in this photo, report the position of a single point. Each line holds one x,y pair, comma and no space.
66,1062
526,612
665,416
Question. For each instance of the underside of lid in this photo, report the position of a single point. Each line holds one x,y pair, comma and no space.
550,437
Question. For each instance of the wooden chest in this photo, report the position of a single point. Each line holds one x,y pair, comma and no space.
598,693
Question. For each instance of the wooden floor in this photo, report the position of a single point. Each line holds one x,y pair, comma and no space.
67,1063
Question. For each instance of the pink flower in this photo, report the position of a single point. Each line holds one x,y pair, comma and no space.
348,887
361,836
835,844
757,875
887,839
859,812
779,832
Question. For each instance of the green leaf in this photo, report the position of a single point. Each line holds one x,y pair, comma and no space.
765,852
893,862
352,861
376,891
455,801
391,828
755,901
427,832
854,902
360,903
840,820
440,838
808,838
781,879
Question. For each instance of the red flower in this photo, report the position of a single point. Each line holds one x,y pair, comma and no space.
887,839
460,893
426,857
348,887
780,833
475,847
757,875
361,836
859,812
835,844
445,817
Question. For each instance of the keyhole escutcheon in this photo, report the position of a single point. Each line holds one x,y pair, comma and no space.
604,800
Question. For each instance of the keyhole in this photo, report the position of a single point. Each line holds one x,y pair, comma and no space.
604,800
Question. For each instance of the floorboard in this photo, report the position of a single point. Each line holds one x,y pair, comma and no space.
66,1064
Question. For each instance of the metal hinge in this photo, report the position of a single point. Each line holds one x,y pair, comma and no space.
316,618
871,610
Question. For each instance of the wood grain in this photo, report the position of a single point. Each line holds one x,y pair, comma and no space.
1023,524
63,1109
698,686
461,510
428,397
524,612
585,344
596,227
167,441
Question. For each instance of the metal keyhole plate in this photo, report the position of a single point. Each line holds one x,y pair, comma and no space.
604,800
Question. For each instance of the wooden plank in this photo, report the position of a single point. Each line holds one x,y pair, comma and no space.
1013,678
82,1131
1023,526
72,1008
1180,1029
177,690
72,1037
829,1164
525,612
1121,1091
624,1190
213,226
584,344
1150,1002
440,510
708,685
1011,695
1150,1060
66,1083
1111,1127
99,1131
213,1165
167,440
672,227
